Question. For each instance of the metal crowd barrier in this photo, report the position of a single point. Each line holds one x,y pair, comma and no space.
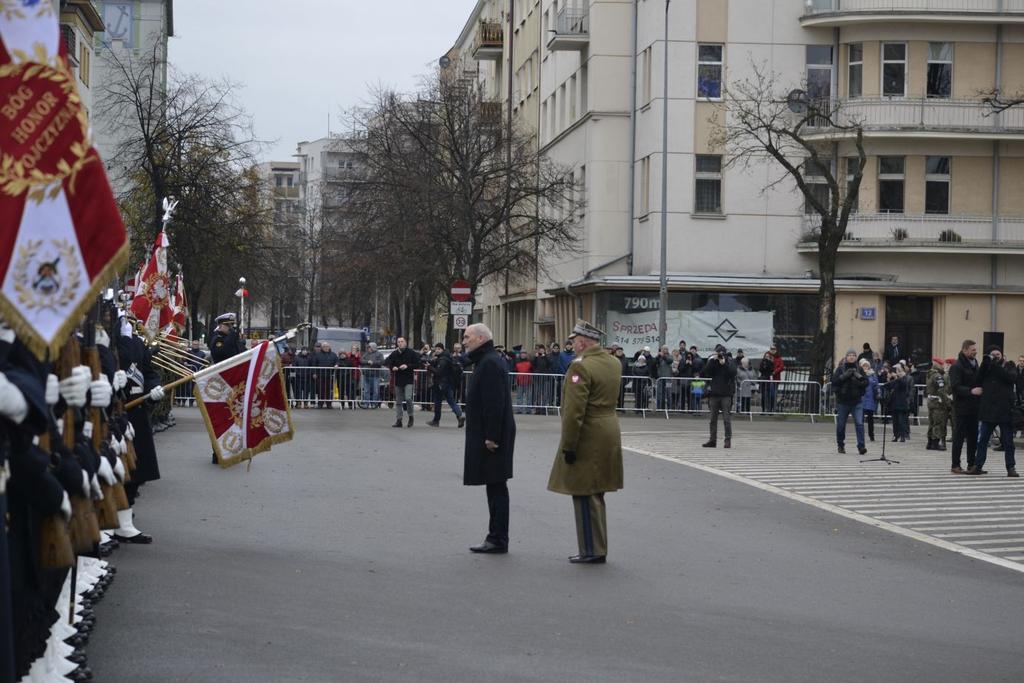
372,388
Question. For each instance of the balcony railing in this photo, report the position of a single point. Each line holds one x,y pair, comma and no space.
490,38
490,113
571,30
852,10
970,118
931,231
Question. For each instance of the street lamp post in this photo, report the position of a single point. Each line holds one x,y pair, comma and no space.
241,304
663,282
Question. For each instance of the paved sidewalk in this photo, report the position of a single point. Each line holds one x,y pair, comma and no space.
981,517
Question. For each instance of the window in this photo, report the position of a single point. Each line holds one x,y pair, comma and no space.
572,98
894,69
819,72
940,70
708,188
855,82
890,184
645,64
279,180
936,185
645,186
815,175
709,71
852,164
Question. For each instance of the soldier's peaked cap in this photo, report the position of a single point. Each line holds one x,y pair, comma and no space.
585,329
228,318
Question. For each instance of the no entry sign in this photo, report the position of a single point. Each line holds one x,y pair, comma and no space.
460,290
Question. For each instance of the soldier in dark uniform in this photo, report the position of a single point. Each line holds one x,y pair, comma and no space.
588,462
143,380
226,340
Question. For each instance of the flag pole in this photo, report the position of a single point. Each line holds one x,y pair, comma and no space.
217,367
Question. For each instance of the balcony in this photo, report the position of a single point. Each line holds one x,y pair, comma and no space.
923,233
844,12
490,38
914,117
571,31
490,113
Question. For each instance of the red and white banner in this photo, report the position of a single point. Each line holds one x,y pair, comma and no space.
244,404
61,235
179,307
152,302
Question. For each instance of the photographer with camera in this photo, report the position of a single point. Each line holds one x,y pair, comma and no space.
721,370
997,378
849,383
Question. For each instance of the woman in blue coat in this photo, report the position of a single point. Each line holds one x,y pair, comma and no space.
869,402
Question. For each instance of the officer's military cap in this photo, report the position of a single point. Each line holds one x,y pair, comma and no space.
228,318
585,329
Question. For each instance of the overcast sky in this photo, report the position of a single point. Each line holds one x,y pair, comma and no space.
301,60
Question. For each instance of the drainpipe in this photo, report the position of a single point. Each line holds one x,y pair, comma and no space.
995,182
632,144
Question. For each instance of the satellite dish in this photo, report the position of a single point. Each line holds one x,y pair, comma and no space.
796,100
444,62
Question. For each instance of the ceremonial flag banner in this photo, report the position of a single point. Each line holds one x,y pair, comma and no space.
244,404
179,307
152,301
61,236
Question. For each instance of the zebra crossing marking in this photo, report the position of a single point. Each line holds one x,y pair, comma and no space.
980,518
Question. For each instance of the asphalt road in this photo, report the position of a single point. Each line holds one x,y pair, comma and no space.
342,556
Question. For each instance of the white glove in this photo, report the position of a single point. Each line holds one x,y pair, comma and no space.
120,380
126,328
119,469
129,432
101,392
75,387
156,394
102,338
85,484
94,486
115,444
106,472
52,390
65,507
12,401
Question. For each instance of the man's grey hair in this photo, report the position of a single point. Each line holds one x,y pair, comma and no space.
481,331
373,345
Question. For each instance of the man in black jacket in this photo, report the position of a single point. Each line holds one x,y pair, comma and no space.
849,383
445,373
997,378
963,383
894,352
403,361
490,434
722,372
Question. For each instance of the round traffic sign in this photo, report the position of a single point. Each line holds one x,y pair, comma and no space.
460,291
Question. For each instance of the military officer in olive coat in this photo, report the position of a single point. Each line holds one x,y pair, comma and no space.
589,458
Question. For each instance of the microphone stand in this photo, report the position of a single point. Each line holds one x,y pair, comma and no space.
882,402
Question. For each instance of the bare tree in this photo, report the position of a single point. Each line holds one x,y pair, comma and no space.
451,192
183,136
802,136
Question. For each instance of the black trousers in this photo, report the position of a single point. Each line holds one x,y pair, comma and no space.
497,506
869,420
965,430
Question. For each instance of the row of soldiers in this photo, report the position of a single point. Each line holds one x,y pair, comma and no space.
72,461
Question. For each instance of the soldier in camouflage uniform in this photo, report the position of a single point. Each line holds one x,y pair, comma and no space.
940,403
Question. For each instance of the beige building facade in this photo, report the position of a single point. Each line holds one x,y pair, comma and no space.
934,250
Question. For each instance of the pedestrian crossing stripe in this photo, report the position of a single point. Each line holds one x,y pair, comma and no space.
918,499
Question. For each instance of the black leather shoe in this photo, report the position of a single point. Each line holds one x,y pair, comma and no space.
432,423
398,423
462,421
587,559
709,444
862,450
490,548
1012,473
840,450
410,421
139,538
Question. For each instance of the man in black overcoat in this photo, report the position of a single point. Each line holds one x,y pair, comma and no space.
490,433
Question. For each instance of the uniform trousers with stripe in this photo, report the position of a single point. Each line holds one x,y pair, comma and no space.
591,525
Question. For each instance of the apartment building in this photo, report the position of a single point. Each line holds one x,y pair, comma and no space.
80,22
133,29
934,250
